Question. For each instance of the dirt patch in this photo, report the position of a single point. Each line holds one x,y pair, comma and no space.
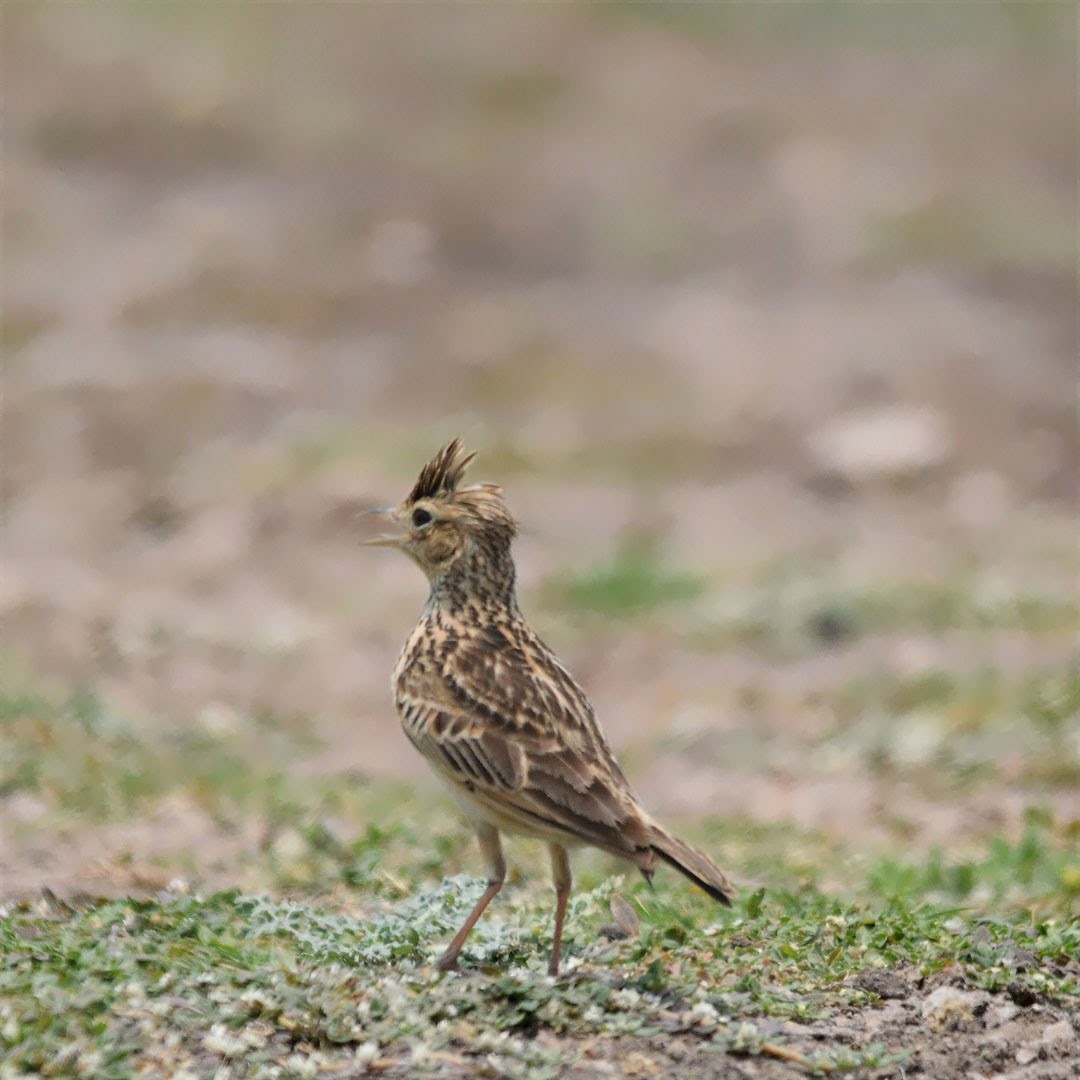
944,1032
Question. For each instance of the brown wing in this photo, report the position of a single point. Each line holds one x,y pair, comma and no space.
496,713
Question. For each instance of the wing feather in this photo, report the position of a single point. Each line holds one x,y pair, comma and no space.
498,715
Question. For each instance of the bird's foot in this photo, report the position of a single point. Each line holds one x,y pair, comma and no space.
447,962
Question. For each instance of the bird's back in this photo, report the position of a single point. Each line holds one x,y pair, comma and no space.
494,711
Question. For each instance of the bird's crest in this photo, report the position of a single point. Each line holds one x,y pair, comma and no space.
442,474
440,479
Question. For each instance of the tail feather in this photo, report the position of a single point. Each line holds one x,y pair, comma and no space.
696,865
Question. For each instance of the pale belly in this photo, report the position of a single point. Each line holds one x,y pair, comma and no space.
482,812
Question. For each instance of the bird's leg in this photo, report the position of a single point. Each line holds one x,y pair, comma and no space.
560,875
491,847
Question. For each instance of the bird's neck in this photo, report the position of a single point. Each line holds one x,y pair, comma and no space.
481,578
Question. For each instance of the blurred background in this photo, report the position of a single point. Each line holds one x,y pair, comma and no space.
764,316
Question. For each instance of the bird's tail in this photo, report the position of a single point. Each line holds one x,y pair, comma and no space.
696,865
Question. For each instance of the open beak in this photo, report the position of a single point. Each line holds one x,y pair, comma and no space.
386,515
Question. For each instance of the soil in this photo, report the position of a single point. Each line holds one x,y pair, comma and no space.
927,1027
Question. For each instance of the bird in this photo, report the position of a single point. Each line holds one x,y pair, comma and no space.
496,715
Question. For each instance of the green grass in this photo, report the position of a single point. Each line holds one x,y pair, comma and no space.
88,763
279,987
635,581
954,729
795,605
329,966
955,231
324,963
1036,32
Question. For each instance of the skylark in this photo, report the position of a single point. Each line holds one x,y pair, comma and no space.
500,720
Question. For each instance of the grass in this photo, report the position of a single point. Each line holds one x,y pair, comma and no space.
799,604
956,231
87,763
958,729
635,581
316,959
276,987
1035,31
327,967
795,605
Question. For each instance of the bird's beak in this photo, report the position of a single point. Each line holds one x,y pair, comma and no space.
387,516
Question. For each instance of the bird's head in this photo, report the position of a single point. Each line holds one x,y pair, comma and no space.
449,530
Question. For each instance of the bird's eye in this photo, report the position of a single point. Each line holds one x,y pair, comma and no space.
420,517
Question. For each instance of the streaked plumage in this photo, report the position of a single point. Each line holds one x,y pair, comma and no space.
499,719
